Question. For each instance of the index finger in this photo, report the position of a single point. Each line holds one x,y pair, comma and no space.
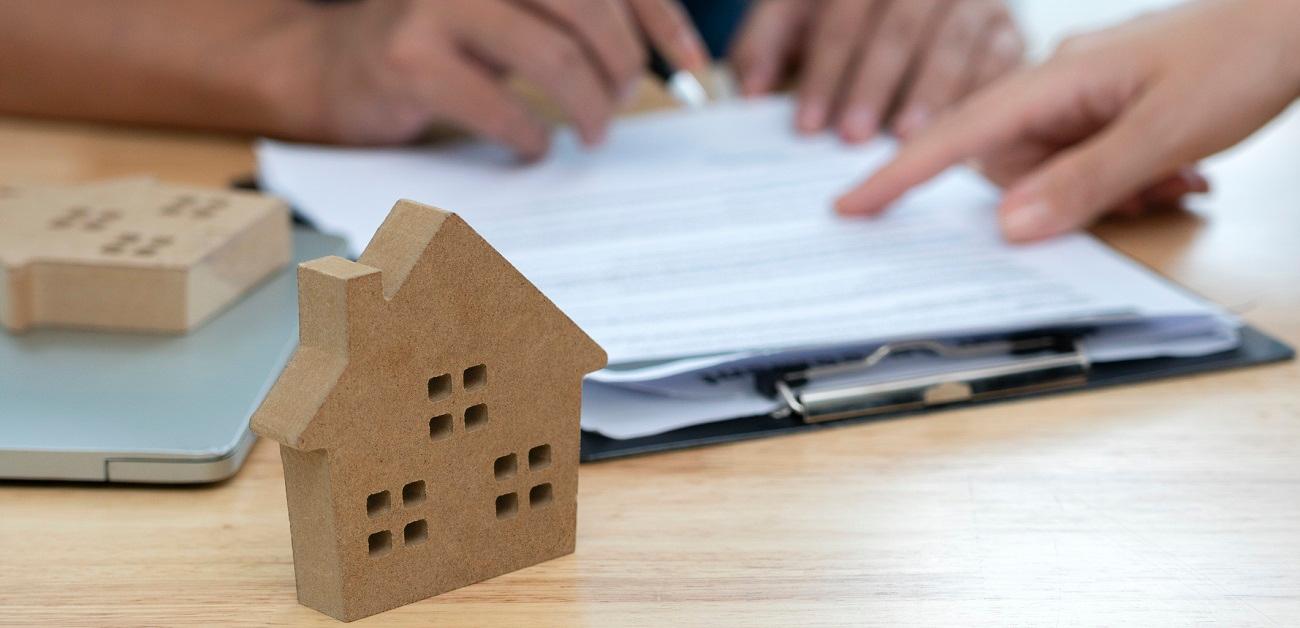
547,56
989,119
608,29
671,32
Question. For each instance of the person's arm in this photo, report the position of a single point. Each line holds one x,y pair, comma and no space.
1114,119
370,72
197,63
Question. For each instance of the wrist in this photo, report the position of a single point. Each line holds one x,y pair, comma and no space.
285,74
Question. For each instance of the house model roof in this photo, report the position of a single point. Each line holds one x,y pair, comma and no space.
426,286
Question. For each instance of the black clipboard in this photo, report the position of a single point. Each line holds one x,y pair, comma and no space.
1256,348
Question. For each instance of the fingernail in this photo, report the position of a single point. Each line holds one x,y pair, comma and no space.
811,118
857,202
596,136
630,91
913,121
858,124
534,149
696,56
757,80
845,207
1029,222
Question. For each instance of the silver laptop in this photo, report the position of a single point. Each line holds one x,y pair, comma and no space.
78,405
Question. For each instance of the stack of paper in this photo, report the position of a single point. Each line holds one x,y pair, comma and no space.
703,243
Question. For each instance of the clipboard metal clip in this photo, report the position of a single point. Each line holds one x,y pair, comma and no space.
997,368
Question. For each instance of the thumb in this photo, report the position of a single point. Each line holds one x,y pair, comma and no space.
1076,186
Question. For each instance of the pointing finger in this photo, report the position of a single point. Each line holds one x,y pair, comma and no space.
984,122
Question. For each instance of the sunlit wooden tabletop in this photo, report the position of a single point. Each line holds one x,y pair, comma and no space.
1168,503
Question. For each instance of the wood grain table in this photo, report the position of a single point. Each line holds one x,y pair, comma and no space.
1168,503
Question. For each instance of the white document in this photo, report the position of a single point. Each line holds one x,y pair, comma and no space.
709,235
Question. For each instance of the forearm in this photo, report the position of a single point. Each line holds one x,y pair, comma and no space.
221,64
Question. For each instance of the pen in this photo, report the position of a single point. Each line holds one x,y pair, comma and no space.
687,89
681,84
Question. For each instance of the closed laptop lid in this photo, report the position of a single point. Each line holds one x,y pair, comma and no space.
78,405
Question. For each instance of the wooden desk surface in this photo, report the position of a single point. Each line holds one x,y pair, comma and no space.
1167,503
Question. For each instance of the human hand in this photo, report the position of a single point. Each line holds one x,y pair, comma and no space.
863,59
1114,119
391,68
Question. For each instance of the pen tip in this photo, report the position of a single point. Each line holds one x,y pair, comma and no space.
687,89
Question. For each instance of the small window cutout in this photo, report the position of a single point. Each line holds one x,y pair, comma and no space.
415,532
440,427
439,387
507,505
505,466
174,208
380,543
378,503
540,495
539,457
476,416
413,493
475,377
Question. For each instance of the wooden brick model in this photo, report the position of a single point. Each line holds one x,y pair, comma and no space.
428,421
133,254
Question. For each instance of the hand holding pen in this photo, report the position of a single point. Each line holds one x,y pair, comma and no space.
397,67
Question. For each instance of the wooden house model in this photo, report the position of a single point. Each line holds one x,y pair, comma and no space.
133,254
429,420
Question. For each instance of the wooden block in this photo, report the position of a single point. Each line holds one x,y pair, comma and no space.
133,254
429,420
